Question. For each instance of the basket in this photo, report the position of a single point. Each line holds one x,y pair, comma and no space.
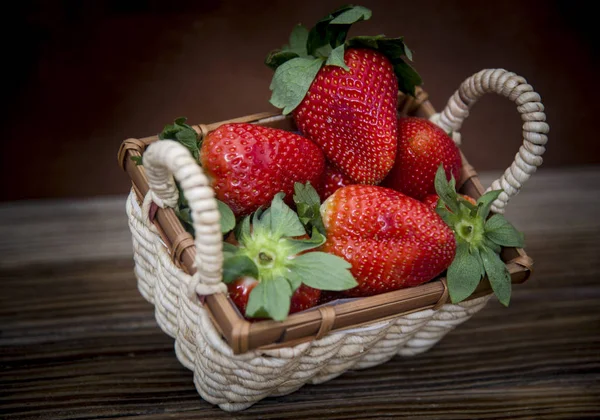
237,363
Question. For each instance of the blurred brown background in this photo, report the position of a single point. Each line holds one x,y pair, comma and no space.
81,76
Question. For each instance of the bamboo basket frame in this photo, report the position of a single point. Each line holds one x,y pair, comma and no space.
242,335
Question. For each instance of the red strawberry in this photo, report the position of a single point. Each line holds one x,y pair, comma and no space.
343,94
333,179
432,199
391,240
248,164
328,296
352,115
422,146
304,297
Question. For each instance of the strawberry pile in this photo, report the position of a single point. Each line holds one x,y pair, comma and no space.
360,201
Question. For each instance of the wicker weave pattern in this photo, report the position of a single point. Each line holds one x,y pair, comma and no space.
235,382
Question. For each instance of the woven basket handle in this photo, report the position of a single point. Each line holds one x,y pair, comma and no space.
164,160
532,113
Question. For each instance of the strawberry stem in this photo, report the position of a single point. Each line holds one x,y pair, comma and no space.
264,258
479,241
271,252
469,229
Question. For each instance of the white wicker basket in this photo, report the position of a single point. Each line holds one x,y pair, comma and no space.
236,381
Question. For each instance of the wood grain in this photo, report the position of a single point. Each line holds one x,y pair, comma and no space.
77,340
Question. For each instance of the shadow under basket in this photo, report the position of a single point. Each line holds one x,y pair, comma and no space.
236,363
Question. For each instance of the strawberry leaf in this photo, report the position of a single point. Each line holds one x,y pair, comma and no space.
189,138
281,220
292,80
242,230
229,249
308,204
323,271
294,279
492,245
352,15
445,190
296,48
485,203
236,266
323,52
464,273
477,254
333,28
138,160
270,298
500,231
184,214
447,216
300,245
470,207
298,39
227,217
277,58
336,58
408,78
497,274
184,134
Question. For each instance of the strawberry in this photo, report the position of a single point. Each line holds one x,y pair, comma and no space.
343,94
276,270
333,179
351,114
305,297
248,164
392,241
327,296
432,200
422,146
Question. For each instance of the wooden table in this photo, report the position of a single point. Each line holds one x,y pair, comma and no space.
78,341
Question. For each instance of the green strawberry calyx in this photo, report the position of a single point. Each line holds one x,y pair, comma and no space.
296,64
183,133
308,205
479,241
273,250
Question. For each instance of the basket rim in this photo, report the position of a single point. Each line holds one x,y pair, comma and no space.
242,335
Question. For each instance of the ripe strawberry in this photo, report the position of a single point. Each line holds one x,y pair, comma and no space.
304,297
343,94
392,241
432,200
248,164
351,115
333,179
422,147
275,270
327,296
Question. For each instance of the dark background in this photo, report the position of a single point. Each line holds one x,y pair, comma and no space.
81,76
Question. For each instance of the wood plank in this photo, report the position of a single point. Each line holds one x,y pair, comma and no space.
111,360
63,231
